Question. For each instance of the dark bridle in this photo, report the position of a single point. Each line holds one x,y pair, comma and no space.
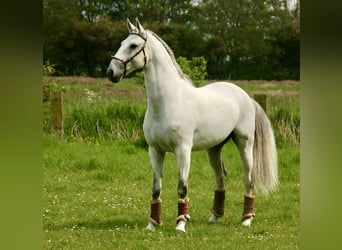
124,62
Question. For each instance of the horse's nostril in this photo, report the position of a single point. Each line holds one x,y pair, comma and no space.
110,73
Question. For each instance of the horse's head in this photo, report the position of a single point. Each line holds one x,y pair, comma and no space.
131,55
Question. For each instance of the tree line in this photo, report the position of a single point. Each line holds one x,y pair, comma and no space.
239,39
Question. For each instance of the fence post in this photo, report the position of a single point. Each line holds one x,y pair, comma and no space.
56,118
262,100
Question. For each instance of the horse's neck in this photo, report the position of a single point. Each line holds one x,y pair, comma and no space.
162,80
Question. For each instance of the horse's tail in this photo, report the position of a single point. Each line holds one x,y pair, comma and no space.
265,163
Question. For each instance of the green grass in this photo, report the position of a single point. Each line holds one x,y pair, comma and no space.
97,185
96,196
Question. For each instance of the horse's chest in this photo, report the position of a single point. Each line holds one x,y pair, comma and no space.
163,135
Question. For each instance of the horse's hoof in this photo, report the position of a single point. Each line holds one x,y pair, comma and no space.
150,227
247,222
181,226
212,218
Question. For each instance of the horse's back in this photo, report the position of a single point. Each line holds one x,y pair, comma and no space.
225,88
230,94
237,100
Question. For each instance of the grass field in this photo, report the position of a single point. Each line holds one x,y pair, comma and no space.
97,181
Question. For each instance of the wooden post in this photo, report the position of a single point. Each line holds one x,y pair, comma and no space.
56,118
262,100
46,109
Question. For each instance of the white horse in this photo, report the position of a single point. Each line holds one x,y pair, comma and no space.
181,118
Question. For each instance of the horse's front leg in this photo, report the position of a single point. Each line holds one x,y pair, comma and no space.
157,160
183,158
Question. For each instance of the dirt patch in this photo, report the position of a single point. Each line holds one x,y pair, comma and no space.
287,83
139,92
124,92
84,79
77,79
276,93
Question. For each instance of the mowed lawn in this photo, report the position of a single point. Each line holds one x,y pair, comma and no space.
97,192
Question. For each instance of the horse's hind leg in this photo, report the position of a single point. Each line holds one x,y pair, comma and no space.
214,155
245,146
157,159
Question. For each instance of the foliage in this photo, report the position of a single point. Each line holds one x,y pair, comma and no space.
239,39
285,120
106,121
83,48
48,68
194,68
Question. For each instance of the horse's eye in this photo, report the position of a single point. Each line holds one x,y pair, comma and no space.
133,46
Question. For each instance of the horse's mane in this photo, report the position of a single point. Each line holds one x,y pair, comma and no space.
173,58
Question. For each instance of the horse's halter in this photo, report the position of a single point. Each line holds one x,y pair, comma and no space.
124,62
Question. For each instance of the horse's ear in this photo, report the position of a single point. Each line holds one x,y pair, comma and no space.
140,27
131,27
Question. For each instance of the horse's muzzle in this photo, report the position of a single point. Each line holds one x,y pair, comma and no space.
112,77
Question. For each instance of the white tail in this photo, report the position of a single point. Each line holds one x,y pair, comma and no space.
265,169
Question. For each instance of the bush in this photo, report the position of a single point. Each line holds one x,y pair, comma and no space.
194,68
121,121
285,118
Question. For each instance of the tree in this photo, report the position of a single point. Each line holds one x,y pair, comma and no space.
240,39
161,11
285,54
57,15
245,30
